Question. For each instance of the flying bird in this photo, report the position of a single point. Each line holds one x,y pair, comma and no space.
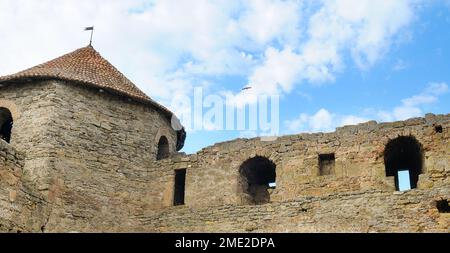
246,88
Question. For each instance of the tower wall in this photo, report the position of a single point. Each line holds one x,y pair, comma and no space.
22,208
32,109
88,152
104,146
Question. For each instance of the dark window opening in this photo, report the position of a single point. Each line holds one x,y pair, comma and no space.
257,177
442,206
326,164
6,124
438,129
163,148
180,183
403,153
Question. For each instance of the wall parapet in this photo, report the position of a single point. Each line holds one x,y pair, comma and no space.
357,154
361,128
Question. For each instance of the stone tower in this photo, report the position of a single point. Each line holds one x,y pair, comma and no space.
83,127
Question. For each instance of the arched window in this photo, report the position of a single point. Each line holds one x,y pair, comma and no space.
257,177
163,148
6,124
403,159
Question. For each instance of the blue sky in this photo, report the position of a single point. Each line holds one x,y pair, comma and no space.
404,183
330,62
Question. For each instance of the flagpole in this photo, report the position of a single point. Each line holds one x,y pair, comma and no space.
91,28
90,41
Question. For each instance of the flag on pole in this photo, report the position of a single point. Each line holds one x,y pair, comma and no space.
90,28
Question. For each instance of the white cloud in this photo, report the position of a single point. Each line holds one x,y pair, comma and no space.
168,47
411,107
419,100
322,120
406,112
277,75
165,47
161,46
352,120
326,121
364,29
436,88
384,116
266,20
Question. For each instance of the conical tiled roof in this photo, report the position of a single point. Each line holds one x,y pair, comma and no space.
85,66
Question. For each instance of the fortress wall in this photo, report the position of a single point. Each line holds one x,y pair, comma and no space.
361,211
213,173
92,156
102,151
21,207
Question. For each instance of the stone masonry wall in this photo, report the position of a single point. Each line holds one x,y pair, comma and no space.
87,152
358,197
103,148
357,211
359,162
81,159
31,106
22,209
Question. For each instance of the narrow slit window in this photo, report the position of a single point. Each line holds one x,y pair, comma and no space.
180,183
163,151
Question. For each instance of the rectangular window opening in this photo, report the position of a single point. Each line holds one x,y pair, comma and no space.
326,164
180,181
